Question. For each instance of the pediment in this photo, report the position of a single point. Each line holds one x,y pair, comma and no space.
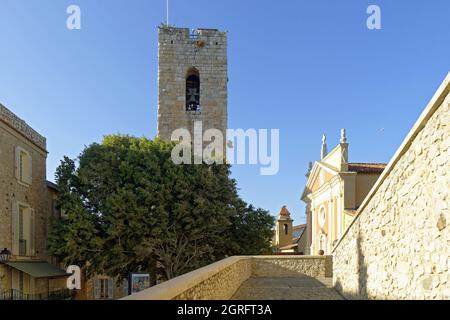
321,173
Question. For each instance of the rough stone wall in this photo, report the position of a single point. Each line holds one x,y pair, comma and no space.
177,53
292,266
221,286
87,288
399,245
14,132
11,191
221,280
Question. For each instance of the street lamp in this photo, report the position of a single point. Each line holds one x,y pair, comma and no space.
5,255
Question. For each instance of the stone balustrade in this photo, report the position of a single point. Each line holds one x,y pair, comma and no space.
221,280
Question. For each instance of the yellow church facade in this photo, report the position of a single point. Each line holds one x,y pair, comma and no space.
334,190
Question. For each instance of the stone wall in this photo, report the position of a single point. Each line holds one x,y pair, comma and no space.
221,280
15,133
398,246
221,286
178,52
292,266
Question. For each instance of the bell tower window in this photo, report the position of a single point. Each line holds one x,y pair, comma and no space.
193,90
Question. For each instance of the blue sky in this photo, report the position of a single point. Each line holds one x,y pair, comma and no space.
305,67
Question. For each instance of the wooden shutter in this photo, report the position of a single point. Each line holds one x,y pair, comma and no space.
110,288
15,229
17,163
32,240
29,176
97,289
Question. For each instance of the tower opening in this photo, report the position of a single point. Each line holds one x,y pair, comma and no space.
193,90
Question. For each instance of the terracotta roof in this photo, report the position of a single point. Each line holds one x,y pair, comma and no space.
300,226
285,212
366,167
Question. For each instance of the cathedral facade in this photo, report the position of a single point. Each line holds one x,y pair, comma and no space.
334,191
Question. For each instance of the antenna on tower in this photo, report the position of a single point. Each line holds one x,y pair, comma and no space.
167,16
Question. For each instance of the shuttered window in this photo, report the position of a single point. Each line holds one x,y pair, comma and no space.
23,166
23,230
103,289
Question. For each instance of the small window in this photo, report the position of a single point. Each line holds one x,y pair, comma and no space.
286,229
103,289
193,90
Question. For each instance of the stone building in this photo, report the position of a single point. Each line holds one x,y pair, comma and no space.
289,238
25,208
283,229
334,191
192,80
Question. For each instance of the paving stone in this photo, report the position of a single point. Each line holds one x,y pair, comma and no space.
298,288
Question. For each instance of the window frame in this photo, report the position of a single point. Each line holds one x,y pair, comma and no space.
193,72
23,166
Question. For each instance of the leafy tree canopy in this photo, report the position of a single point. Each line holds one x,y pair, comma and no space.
129,208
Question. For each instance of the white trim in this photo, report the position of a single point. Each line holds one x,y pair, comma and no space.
330,219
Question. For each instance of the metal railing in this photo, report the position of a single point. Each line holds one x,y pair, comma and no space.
14,294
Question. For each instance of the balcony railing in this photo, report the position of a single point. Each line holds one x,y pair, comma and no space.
14,294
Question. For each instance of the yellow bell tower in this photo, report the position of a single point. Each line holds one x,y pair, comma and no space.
284,228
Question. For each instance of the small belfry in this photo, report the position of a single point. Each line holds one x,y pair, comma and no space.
192,80
283,232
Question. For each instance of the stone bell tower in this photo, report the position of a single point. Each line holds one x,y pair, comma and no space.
283,229
192,80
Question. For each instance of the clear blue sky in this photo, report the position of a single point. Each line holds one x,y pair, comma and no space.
305,67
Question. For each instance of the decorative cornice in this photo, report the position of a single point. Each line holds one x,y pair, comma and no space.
19,125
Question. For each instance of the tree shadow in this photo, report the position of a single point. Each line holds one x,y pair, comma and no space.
361,269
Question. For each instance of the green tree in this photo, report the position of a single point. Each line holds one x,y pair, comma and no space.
130,208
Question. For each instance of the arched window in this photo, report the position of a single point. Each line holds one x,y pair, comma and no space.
192,90
286,229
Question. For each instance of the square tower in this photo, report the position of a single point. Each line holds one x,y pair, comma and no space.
192,80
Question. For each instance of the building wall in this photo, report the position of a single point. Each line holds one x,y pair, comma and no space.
177,54
282,239
398,247
364,182
119,289
14,133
